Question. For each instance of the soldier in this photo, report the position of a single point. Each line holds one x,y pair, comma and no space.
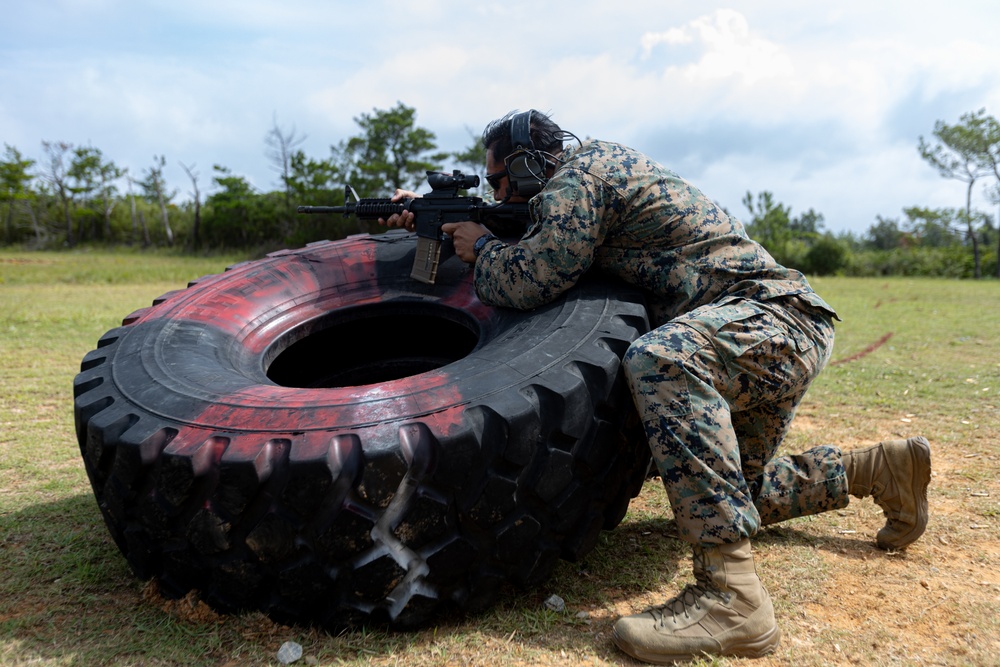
737,340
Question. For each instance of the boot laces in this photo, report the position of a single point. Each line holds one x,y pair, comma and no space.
680,607
691,596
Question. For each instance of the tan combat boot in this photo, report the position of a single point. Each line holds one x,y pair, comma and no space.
725,612
895,474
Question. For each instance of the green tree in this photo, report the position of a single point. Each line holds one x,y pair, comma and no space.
239,216
995,198
770,225
317,182
473,161
108,176
933,227
960,152
391,152
15,181
788,239
227,217
827,256
82,171
807,226
95,183
991,158
885,234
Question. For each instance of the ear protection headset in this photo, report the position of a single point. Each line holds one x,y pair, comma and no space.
525,165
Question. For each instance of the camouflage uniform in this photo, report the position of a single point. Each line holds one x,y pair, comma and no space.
738,337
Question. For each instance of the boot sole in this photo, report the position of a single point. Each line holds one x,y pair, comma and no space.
920,457
750,648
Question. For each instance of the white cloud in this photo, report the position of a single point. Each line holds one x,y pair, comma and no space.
732,53
850,192
674,36
809,101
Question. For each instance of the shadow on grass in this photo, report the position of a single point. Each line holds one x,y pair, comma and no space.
795,533
69,597
637,560
63,541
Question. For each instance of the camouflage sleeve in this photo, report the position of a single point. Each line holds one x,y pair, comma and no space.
570,219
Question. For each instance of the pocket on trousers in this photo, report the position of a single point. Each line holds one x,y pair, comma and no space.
747,330
666,393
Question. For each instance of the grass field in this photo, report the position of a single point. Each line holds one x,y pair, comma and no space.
912,357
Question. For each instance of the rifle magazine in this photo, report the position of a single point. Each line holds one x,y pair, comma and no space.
426,260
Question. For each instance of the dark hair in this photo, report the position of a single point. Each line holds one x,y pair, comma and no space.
545,135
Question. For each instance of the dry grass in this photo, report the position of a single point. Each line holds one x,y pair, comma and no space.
67,596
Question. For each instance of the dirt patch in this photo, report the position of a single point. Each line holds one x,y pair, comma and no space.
189,608
865,352
839,600
934,603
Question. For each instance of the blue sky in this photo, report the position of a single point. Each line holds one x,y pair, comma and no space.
820,103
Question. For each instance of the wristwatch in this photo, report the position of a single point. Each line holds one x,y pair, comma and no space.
477,247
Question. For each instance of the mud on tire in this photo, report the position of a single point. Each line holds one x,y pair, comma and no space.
317,436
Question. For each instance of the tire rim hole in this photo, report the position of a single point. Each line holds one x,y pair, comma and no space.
370,345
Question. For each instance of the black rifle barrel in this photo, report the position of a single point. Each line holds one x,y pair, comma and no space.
364,209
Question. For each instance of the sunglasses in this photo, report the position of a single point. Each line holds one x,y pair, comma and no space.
494,179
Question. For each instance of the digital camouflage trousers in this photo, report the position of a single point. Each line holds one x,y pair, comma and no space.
717,389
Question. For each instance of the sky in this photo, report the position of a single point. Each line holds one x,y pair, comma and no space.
821,103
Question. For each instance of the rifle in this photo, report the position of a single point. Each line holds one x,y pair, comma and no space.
442,204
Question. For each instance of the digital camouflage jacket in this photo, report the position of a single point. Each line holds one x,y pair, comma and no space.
612,208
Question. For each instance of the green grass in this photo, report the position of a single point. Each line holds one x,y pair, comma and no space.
68,598
96,267
941,367
61,573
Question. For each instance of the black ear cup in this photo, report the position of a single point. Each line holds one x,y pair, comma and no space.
525,166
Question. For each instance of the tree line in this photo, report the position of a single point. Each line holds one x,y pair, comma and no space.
956,242
76,195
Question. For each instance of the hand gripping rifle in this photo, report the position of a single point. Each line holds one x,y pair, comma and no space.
442,204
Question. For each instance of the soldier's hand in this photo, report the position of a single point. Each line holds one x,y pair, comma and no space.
404,219
465,235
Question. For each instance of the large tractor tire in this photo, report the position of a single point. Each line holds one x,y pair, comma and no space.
317,436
